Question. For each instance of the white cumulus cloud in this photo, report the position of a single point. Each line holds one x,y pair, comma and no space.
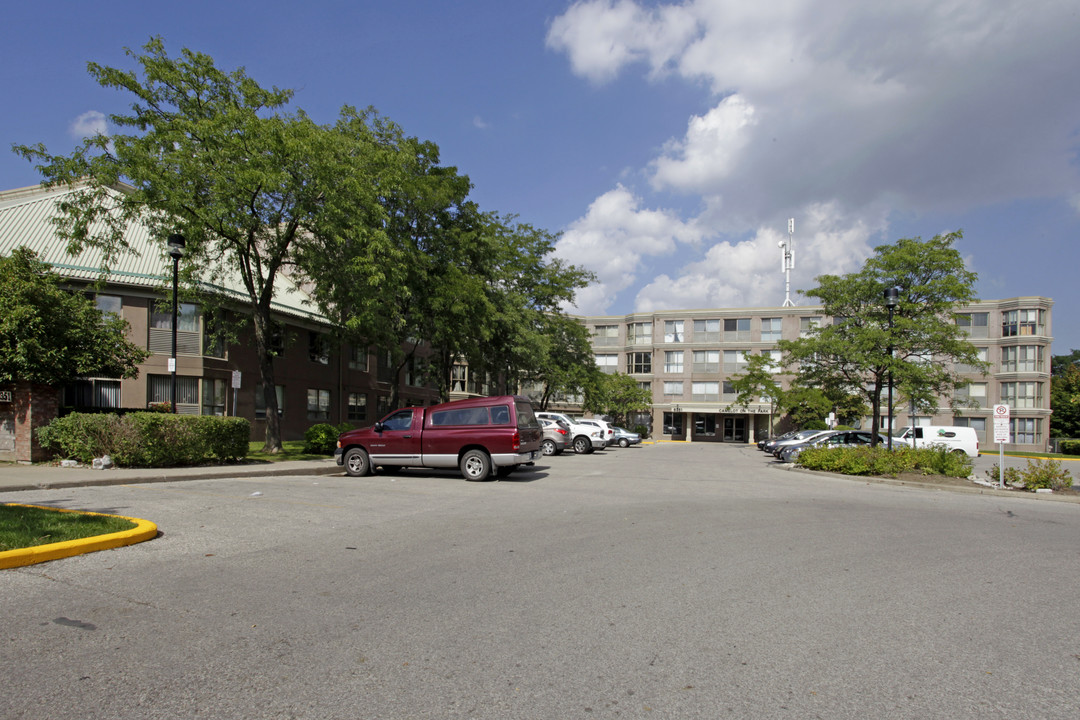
839,113
89,124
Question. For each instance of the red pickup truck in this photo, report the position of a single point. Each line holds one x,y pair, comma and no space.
479,436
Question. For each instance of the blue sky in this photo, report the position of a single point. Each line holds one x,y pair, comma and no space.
668,142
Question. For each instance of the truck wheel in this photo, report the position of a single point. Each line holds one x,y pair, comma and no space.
582,445
549,448
357,463
475,465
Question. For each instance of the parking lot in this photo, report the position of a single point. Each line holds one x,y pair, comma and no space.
672,580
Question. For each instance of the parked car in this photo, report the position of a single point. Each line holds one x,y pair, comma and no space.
479,436
794,438
625,438
556,437
830,439
605,428
763,442
583,438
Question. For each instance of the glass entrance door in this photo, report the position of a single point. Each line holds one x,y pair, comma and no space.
735,429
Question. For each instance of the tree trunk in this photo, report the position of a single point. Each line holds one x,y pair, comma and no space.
263,335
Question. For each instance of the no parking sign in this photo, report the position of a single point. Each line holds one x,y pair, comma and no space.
1001,423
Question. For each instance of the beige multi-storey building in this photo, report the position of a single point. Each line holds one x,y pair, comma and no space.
687,359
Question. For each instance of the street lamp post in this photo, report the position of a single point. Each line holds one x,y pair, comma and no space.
892,299
176,245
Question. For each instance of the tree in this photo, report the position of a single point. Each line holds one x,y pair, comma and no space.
851,355
758,382
616,396
51,336
567,366
256,192
1065,395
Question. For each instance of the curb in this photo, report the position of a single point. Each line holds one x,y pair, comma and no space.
20,557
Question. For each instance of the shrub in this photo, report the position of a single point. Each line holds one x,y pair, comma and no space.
642,430
1069,447
321,438
147,439
864,460
1045,474
1011,477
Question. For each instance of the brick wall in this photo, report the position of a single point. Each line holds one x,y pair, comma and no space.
35,407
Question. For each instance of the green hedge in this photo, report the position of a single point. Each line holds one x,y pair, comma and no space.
322,438
864,460
1069,447
147,439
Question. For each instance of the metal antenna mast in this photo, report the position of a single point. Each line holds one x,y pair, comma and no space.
787,262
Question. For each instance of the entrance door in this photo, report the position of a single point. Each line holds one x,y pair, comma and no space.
735,429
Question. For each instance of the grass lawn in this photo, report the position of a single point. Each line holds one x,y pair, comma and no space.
22,527
290,450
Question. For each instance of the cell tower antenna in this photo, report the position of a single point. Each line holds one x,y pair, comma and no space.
787,261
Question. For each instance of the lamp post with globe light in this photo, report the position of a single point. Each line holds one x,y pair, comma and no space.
892,299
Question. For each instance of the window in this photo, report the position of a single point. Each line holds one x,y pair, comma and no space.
706,361
459,378
773,364
972,395
807,325
214,392
260,401
401,420
159,390
1022,358
213,341
414,372
385,370
673,423
112,304
673,331
982,353
357,358
1025,431
673,388
646,386
737,329
972,422
383,405
499,415
704,424
606,335
357,408
706,331
639,333
277,340
608,363
771,329
1021,394
705,391
1022,322
318,348
673,361
639,363
734,361
188,335
729,390
318,404
92,394
974,324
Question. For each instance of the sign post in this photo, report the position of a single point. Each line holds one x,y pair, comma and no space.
1001,436
235,389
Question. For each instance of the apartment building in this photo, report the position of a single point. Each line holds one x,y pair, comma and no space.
687,359
317,380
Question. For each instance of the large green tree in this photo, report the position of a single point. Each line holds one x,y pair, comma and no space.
52,336
758,384
1065,395
617,396
567,367
256,191
849,352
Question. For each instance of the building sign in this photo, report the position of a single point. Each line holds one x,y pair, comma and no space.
6,396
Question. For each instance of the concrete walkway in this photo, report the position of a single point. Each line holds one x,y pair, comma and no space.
16,477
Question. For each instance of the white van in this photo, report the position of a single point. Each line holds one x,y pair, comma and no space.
954,437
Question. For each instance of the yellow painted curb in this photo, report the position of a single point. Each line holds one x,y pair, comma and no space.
143,530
